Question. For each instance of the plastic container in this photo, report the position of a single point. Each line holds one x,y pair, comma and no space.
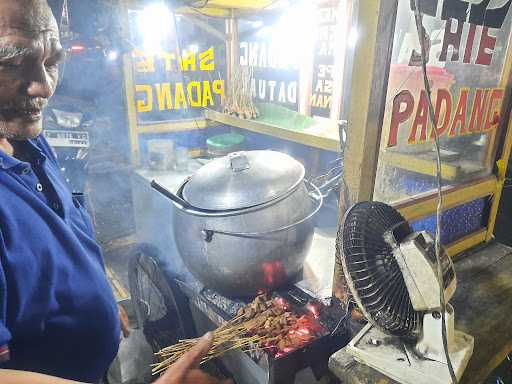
181,160
161,154
221,145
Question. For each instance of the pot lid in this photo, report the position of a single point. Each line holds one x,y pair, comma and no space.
242,180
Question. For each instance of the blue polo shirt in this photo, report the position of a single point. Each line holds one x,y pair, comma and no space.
58,315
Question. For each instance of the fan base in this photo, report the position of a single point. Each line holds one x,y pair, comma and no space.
399,361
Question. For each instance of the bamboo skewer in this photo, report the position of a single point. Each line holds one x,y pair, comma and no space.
258,326
239,99
227,337
220,346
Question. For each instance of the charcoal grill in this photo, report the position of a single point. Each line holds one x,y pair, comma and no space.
210,309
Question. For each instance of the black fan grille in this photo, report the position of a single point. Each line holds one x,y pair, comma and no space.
371,270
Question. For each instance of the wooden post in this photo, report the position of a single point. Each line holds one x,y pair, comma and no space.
506,146
375,23
502,170
129,89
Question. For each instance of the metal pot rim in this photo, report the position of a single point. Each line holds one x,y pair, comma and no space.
243,180
194,211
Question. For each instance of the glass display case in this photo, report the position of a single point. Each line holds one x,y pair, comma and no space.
390,156
337,85
311,89
183,70
466,69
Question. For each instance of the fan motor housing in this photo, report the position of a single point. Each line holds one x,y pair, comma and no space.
417,260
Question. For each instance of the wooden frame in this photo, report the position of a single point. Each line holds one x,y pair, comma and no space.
130,106
212,118
365,116
282,133
504,84
502,169
134,127
425,205
365,126
376,21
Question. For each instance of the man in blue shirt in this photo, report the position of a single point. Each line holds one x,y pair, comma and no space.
58,317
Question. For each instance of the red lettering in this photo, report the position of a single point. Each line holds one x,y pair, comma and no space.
399,116
493,111
478,110
460,114
443,97
486,43
421,119
469,43
451,39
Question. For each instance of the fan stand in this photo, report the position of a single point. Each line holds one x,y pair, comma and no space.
423,363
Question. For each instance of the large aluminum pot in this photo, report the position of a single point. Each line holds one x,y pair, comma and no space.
243,222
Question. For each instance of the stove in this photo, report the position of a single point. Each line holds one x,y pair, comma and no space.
307,360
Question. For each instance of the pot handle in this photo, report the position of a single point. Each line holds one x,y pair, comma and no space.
164,191
179,202
315,195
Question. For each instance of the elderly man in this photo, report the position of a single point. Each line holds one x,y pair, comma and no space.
58,318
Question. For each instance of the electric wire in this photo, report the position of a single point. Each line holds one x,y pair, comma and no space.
347,312
419,27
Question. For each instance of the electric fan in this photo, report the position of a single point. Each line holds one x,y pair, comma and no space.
391,273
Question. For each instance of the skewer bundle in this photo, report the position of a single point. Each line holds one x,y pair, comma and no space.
263,324
225,338
239,100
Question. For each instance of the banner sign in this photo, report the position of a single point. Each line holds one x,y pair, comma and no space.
468,59
275,80
166,88
321,97
175,82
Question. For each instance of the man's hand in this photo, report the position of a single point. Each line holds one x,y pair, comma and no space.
186,370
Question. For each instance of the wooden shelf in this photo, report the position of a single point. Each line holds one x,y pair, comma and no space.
302,137
420,163
174,126
218,8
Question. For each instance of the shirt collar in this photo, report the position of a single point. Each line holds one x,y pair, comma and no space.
8,162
